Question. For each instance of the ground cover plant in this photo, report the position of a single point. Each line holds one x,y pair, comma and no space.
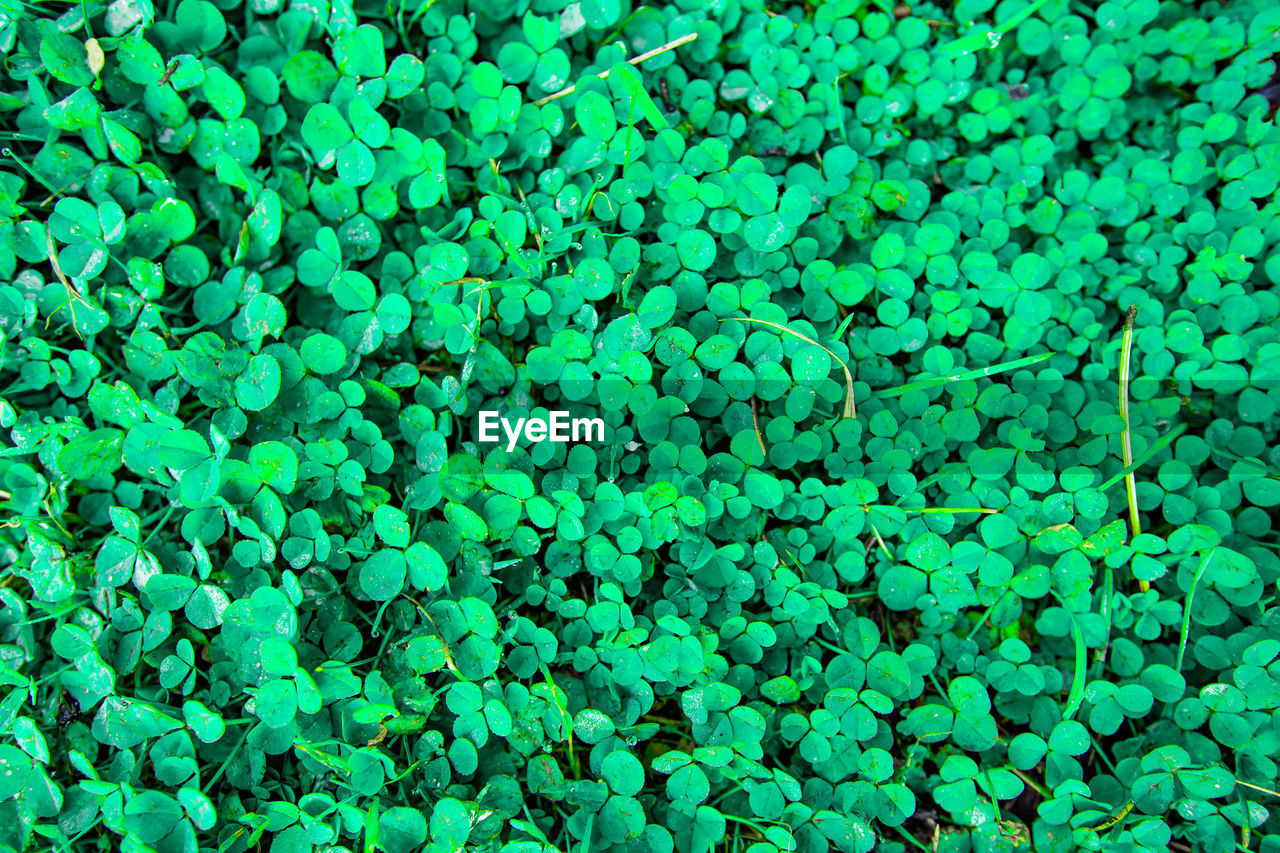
937,346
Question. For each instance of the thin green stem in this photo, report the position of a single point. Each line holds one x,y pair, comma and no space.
57,615
1035,786
830,646
986,615
235,750
1097,747
7,152
758,827
942,693
81,834
916,841
168,512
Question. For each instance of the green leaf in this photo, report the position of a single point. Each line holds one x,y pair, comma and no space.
275,464
276,702
623,773
401,830
382,576
95,454
325,130
594,114
259,385
360,52
309,76
323,354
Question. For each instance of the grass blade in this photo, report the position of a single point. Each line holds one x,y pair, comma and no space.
371,828
1252,460
1270,791
755,425
953,510
1021,16
842,328
974,41
1186,610
635,60
849,409
1108,588
981,372
1076,697
1159,444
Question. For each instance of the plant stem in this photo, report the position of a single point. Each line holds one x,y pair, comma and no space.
916,841
235,750
1035,786
1097,747
986,615
1258,788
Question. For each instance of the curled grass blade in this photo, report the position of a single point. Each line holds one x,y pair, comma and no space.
1076,697
849,408
556,693
1186,609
